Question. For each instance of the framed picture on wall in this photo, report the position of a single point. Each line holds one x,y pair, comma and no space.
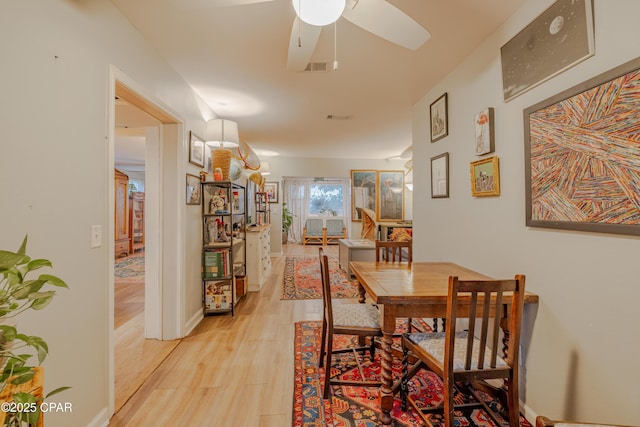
438,118
363,192
390,195
193,190
196,150
440,176
271,188
484,132
582,155
558,39
485,177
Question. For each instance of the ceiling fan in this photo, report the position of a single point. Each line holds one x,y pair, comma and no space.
379,17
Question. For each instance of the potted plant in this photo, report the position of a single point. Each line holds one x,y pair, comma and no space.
17,295
287,220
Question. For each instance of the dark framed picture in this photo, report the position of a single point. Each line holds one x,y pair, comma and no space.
363,192
196,150
390,195
440,176
484,132
558,39
582,155
271,188
439,118
485,177
194,192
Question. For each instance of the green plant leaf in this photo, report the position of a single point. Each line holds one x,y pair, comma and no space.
28,401
27,288
56,391
8,332
23,378
53,280
41,299
9,259
23,246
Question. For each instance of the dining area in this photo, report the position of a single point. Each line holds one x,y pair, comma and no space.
473,334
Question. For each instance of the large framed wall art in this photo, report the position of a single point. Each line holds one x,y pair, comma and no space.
390,195
363,192
582,155
558,39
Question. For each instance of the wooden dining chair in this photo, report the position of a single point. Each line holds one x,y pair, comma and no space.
542,421
361,320
471,354
394,251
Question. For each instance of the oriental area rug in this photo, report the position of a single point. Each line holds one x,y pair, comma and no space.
129,269
302,279
351,406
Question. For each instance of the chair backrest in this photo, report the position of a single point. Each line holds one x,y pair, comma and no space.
326,287
485,300
392,251
313,226
335,227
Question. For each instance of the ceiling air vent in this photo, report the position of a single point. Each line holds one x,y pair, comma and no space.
317,67
339,117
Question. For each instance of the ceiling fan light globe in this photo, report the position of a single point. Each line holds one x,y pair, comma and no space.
319,12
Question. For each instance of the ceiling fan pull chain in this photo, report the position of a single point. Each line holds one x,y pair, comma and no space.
335,46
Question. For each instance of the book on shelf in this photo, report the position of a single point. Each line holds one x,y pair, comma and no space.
215,264
218,295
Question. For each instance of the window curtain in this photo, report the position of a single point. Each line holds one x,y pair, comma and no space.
295,193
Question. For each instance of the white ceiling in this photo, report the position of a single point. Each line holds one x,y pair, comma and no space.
236,58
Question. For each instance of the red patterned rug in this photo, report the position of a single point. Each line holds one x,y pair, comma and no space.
302,279
351,406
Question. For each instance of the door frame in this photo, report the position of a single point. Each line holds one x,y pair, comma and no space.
164,297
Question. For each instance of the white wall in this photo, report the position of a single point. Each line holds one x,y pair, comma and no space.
581,357
332,168
54,167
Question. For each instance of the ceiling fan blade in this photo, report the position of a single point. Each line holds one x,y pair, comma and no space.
302,43
387,21
196,4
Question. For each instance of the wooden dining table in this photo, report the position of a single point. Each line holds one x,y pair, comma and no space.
404,290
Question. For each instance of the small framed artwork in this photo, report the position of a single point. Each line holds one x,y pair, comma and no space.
271,188
440,176
193,190
390,195
196,150
438,113
484,132
363,192
485,177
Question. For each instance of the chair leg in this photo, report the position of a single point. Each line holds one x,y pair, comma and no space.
372,349
514,403
327,367
323,341
404,383
448,402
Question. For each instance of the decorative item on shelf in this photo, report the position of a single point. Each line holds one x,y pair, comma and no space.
218,204
235,169
203,176
223,134
217,174
248,156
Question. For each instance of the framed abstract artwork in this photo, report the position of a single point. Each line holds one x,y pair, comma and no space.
363,192
558,39
196,150
438,118
485,177
484,132
440,176
582,155
390,195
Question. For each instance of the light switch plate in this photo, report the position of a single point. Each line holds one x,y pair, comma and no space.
96,236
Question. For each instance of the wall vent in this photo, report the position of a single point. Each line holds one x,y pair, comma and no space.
317,67
339,117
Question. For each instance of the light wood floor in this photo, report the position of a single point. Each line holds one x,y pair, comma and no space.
229,371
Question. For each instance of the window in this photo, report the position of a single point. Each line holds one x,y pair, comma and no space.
326,198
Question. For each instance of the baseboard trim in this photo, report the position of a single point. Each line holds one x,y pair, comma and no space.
528,413
193,322
100,420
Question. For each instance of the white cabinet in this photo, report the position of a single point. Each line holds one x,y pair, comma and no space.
258,256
